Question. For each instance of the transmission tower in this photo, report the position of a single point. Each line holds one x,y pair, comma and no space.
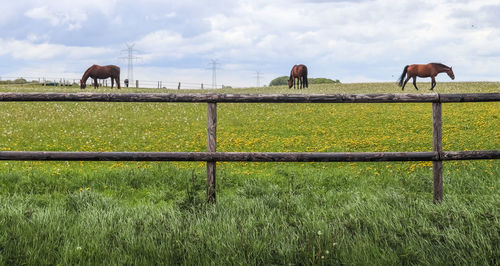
130,50
214,64
257,76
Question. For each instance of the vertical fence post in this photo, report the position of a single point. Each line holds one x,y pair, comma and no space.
437,140
211,147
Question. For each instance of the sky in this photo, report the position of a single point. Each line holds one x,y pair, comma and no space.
252,41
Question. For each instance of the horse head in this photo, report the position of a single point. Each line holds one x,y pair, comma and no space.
82,84
450,73
290,82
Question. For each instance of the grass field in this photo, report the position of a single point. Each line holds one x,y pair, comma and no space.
266,213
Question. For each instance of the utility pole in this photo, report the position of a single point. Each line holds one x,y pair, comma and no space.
214,63
130,50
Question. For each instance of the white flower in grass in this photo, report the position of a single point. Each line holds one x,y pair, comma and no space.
319,233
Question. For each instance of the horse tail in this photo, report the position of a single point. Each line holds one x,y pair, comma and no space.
305,77
403,76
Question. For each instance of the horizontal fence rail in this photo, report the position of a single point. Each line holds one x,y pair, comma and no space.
250,156
437,156
249,98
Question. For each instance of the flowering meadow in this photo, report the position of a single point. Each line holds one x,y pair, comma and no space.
266,213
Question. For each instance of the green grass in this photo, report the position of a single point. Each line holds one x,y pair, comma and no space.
266,213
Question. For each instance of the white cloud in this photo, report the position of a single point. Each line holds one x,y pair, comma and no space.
42,13
72,20
70,14
30,51
164,43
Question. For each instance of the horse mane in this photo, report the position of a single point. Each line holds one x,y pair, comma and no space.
291,71
86,73
441,65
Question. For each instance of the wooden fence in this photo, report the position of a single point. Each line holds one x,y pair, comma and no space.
437,156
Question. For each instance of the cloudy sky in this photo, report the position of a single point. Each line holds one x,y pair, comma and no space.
353,41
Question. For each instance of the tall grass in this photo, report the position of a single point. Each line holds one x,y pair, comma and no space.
266,213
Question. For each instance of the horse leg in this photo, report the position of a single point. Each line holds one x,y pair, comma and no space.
118,82
112,81
415,82
433,82
301,83
404,84
95,83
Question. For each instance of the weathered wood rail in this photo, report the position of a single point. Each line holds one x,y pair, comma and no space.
437,156
249,98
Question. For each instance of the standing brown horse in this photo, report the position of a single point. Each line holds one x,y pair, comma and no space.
424,71
298,72
101,72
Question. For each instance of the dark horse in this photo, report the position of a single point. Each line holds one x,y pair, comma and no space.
101,72
424,71
298,72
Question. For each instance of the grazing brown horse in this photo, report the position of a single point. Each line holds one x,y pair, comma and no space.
101,72
298,72
424,71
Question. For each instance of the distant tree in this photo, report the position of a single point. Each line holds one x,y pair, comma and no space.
283,80
279,81
20,81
